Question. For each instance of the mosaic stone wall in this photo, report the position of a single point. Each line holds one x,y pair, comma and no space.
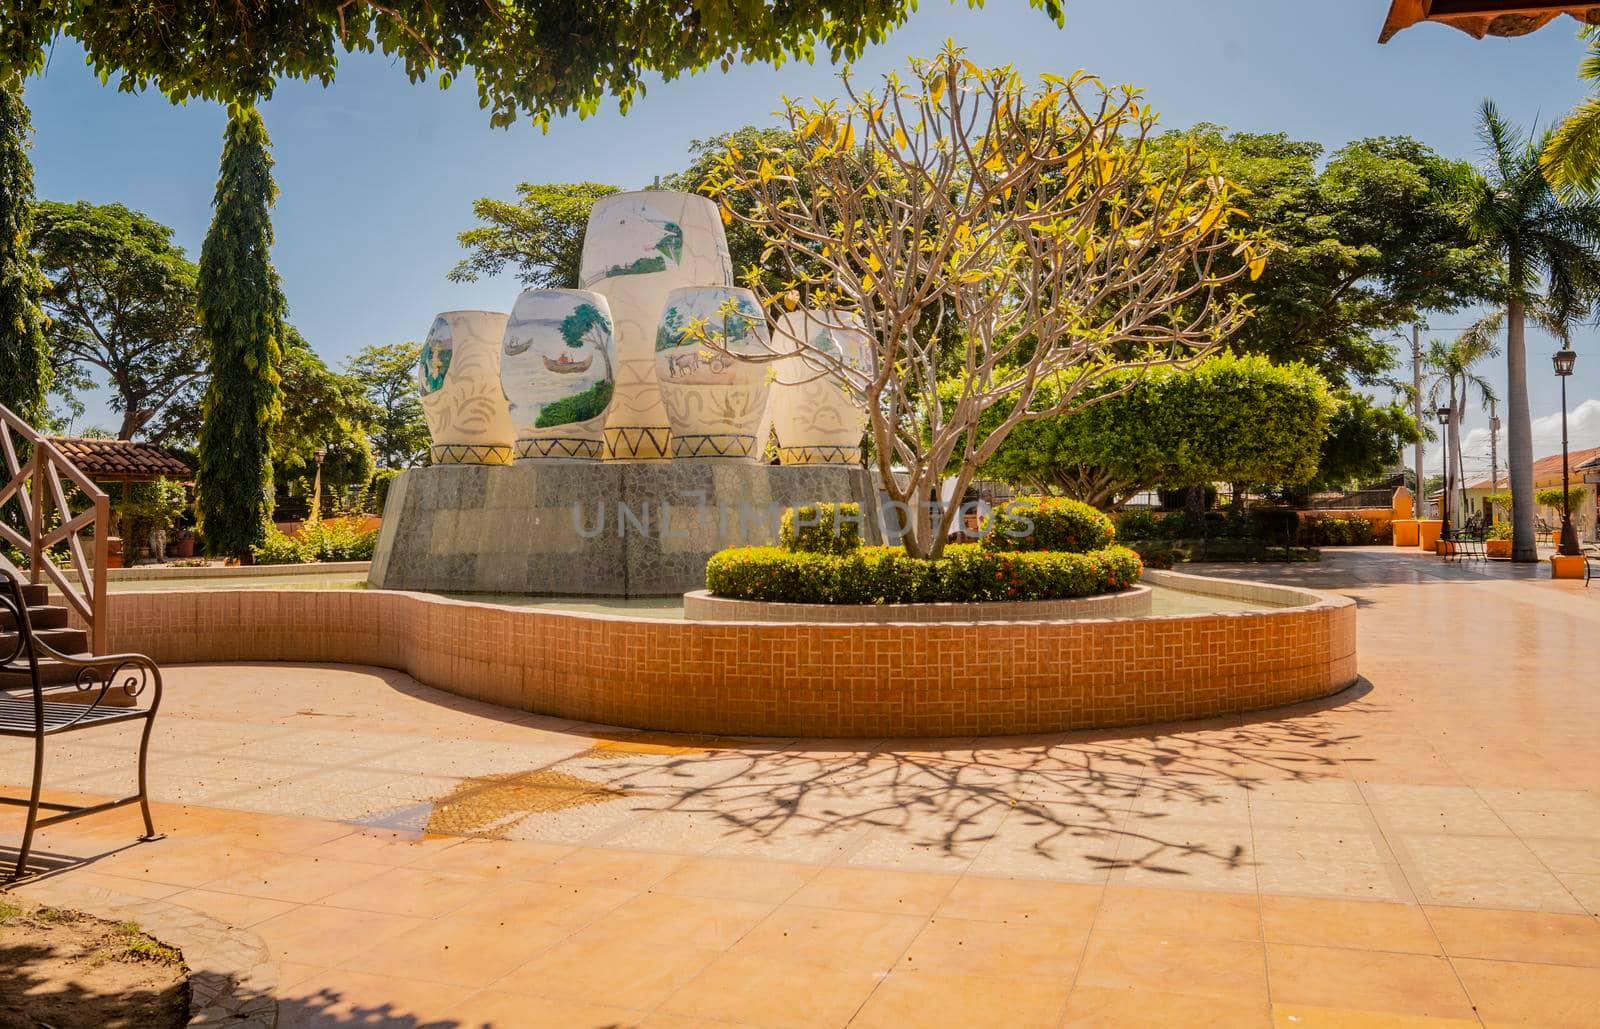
813,680
592,529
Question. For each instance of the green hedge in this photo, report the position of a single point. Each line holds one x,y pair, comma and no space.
887,575
1057,524
1335,532
822,528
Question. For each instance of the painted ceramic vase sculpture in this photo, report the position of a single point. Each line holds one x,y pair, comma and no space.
814,418
557,367
458,378
716,403
638,248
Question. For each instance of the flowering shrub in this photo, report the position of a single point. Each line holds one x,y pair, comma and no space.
1058,524
887,575
822,528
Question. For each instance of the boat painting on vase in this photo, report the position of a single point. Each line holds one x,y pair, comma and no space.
715,402
815,418
458,380
638,248
557,373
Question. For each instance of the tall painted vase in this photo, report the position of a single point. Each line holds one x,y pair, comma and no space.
638,248
816,420
716,403
557,368
458,378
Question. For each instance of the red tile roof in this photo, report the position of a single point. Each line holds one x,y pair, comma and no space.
1544,468
121,460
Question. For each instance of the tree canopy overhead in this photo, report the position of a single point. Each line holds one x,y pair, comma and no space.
533,58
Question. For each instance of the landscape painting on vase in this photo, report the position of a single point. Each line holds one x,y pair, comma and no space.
557,359
698,324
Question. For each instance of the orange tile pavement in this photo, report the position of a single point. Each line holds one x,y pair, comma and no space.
1422,849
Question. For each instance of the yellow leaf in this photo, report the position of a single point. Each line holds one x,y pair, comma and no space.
1257,266
900,138
727,214
866,282
873,263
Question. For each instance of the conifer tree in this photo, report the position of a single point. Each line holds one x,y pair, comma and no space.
24,352
242,311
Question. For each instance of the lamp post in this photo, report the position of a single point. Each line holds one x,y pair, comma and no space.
316,491
1444,506
1564,359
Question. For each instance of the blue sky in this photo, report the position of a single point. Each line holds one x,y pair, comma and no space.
378,175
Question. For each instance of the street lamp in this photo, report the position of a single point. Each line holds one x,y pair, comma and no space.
320,454
1444,507
1564,359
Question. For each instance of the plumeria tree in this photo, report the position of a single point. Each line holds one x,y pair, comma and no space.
1032,220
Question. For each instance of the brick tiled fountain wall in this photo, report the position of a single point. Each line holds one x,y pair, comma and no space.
794,679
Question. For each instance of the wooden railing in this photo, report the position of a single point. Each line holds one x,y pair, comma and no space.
34,497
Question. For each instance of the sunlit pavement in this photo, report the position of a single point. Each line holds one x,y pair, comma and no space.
1426,845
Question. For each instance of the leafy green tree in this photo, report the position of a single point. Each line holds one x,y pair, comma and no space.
387,374
1364,440
330,412
242,311
538,58
122,299
1363,246
25,371
539,235
1549,249
1232,419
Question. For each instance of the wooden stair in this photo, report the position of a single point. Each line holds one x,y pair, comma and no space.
50,626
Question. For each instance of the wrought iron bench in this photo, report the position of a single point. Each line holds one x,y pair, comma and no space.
42,712
1465,545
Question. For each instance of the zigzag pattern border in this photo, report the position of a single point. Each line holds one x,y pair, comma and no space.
713,445
559,448
469,453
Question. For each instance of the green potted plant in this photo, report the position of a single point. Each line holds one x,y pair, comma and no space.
1497,540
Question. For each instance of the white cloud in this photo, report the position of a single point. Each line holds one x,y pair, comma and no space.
1583,431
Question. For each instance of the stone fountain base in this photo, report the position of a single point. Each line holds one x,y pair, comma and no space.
590,529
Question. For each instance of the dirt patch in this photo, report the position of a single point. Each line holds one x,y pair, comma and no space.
68,970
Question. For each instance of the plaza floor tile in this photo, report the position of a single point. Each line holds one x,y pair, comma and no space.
751,989
1512,993
1364,925
1518,936
924,1000
1370,981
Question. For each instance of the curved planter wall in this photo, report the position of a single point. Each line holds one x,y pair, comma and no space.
840,680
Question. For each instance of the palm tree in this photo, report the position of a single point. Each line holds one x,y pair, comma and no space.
1451,370
1549,249
1572,154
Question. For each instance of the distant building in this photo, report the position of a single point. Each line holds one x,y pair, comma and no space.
1547,475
